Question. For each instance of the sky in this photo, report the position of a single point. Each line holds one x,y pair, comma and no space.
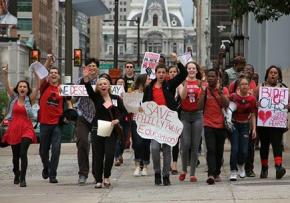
187,12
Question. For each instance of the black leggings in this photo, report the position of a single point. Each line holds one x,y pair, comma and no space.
175,152
20,152
274,137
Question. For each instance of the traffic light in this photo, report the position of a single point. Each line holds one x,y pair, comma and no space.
77,57
34,55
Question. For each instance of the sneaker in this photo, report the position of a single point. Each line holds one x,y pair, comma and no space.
45,173
82,180
166,181
137,172
144,172
53,180
193,179
217,178
98,185
158,179
241,169
233,176
250,173
210,180
182,176
280,172
264,172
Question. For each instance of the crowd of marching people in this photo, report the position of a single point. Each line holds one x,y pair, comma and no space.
201,97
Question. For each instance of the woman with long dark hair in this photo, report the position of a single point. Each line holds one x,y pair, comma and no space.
140,145
270,135
20,133
162,92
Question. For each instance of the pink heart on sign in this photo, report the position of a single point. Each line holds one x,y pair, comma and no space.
264,116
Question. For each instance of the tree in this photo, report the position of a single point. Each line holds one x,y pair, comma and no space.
262,9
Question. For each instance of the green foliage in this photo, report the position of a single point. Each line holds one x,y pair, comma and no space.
3,103
262,9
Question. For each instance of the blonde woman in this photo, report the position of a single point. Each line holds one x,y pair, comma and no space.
108,108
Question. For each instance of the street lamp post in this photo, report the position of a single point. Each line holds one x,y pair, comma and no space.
138,41
116,23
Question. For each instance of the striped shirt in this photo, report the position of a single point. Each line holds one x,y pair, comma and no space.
85,105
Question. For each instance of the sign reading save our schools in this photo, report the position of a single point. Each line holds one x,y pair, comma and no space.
158,123
273,107
80,90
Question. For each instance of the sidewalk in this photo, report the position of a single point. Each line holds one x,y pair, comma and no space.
126,188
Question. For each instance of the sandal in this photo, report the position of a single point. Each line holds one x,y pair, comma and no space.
107,183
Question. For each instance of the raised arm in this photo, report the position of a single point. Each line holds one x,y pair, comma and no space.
35,90
86,81
5,80
179,78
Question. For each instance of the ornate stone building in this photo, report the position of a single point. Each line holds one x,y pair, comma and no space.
161,31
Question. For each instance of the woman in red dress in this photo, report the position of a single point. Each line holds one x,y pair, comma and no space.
20,133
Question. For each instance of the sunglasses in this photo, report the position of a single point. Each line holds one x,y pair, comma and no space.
129,66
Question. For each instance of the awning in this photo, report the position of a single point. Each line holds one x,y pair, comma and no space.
90,7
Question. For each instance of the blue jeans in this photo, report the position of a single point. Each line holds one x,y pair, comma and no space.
50,135
141,146
239,142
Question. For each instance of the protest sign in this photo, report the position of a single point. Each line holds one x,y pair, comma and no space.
105,128
272,111
149,64
132,101
158,123
39,69
80,90
185,58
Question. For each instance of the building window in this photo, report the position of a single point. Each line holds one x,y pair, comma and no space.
154,43
125,9
121,50
24,5
24,24
174,48
110,52
155,20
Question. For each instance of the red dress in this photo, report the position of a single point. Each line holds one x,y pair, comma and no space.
19,127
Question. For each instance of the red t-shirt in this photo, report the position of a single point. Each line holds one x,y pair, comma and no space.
245,106
213,116
158,96
252,87
51,105
190,102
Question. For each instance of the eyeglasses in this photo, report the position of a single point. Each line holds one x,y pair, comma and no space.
129,66
92,65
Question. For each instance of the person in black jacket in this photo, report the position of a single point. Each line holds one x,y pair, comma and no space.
108,108
162,92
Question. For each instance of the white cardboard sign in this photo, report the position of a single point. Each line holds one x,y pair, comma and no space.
272,111
39,69
80,90
105,128
132,101
158,123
